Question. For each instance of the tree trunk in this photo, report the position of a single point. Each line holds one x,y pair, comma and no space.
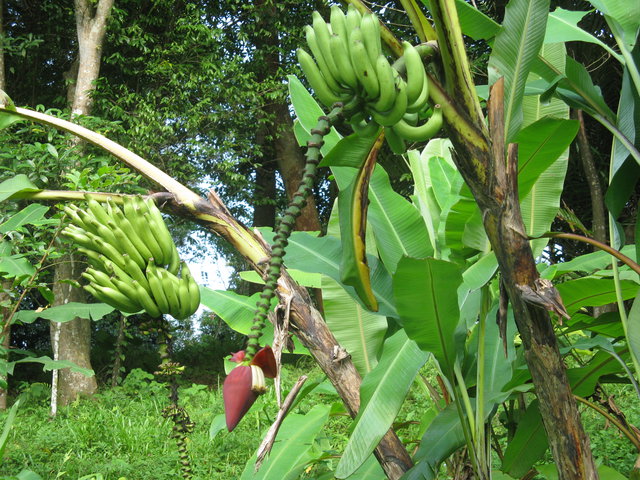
289,157
492,178
599,219
118,354
291,164
72,340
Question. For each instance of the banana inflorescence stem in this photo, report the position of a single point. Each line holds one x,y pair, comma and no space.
285,226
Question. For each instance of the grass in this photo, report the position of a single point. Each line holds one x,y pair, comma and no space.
120,433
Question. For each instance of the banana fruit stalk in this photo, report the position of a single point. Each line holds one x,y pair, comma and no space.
135,263
347,65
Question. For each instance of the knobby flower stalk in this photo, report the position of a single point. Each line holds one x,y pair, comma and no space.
246,382
285,226
182,424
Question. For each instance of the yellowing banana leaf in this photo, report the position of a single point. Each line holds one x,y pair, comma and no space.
427,301
290,453
358,330
382,393
515,48
353,203
396,224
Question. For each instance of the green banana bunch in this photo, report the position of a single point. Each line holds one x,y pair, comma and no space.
135,263
347,65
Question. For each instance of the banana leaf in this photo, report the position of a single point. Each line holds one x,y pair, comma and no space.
562,26
528,444
290,453
382,393
353,203
358,330
593,292
427,301
309,253
515,48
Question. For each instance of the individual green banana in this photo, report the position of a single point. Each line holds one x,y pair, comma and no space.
422,132
364,127
97,209
395,141
323,34
95,259
127,227
100,296
316,79
339,25
133,270
183,299
362,66
170,285
115,298
416,75
157,291
193,289
326,71
422,102
161,232
150,241
72,212
89,222
386,80
392,116
107,250
370,26
102,231
353,17
343,61
174,262
411,118
99,277
128,291
126,246
79,236
146,301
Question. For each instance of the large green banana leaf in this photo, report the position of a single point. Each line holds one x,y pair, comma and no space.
427,301
592,292
358,330
290,453
515,48
540,205
562,26
382,393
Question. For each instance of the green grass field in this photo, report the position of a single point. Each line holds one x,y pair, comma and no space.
121,434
